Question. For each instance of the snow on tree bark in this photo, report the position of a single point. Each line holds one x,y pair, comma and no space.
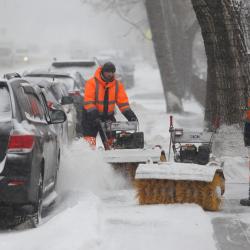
228,70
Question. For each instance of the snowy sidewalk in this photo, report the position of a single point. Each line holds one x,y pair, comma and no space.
96,211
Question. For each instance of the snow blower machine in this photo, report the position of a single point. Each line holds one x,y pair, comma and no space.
124,147
194,175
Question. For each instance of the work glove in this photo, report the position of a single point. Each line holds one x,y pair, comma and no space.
130,115
97,122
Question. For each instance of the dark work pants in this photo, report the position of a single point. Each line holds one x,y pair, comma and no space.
88,126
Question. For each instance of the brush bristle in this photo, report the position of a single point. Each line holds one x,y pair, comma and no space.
126,169
206,194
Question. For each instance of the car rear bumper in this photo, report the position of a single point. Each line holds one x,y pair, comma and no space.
14,190
15,200
18,179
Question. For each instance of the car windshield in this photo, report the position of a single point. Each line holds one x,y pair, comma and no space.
87,71
50,97
61,88
5,107
56,92
67,81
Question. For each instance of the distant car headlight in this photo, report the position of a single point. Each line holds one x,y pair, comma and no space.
25,59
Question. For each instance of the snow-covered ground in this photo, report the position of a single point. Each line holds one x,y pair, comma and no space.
96,209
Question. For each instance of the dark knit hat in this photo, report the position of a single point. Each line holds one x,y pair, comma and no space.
108,67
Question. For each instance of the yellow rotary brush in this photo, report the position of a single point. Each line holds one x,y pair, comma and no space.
167,188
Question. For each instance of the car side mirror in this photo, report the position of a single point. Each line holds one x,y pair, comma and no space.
57,116
67,100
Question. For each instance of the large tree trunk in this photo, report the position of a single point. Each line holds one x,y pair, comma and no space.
181,36
157,22
228,74
247,22
174,21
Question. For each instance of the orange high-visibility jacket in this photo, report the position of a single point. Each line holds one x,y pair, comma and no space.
95,91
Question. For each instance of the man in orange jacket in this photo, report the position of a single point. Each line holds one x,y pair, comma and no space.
102,93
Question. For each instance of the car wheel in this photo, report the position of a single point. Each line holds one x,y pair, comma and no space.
37,216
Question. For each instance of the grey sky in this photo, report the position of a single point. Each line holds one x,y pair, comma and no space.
50,22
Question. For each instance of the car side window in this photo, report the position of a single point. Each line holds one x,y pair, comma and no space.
5,107
59,91
45,107
36,107
48,96
55,92
24,102
31,106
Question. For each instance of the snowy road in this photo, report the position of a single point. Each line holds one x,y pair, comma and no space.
232,224
229,227
96,210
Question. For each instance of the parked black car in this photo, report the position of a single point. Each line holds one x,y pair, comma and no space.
52,103
72,87
57,98
29,150
81,71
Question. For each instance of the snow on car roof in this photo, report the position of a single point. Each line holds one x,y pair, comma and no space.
48,74
74,63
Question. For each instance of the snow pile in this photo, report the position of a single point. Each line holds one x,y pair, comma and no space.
228,141
93,210
75,228
75,222
83,169
236,173
158,227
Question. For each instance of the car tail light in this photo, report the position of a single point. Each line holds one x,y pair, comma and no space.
75,93
21,143
15,183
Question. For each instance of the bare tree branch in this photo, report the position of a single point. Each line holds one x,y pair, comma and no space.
117,5
135,25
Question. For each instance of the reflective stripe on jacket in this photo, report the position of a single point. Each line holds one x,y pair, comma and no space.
95,92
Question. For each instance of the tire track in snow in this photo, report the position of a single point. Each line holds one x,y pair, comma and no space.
229,230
